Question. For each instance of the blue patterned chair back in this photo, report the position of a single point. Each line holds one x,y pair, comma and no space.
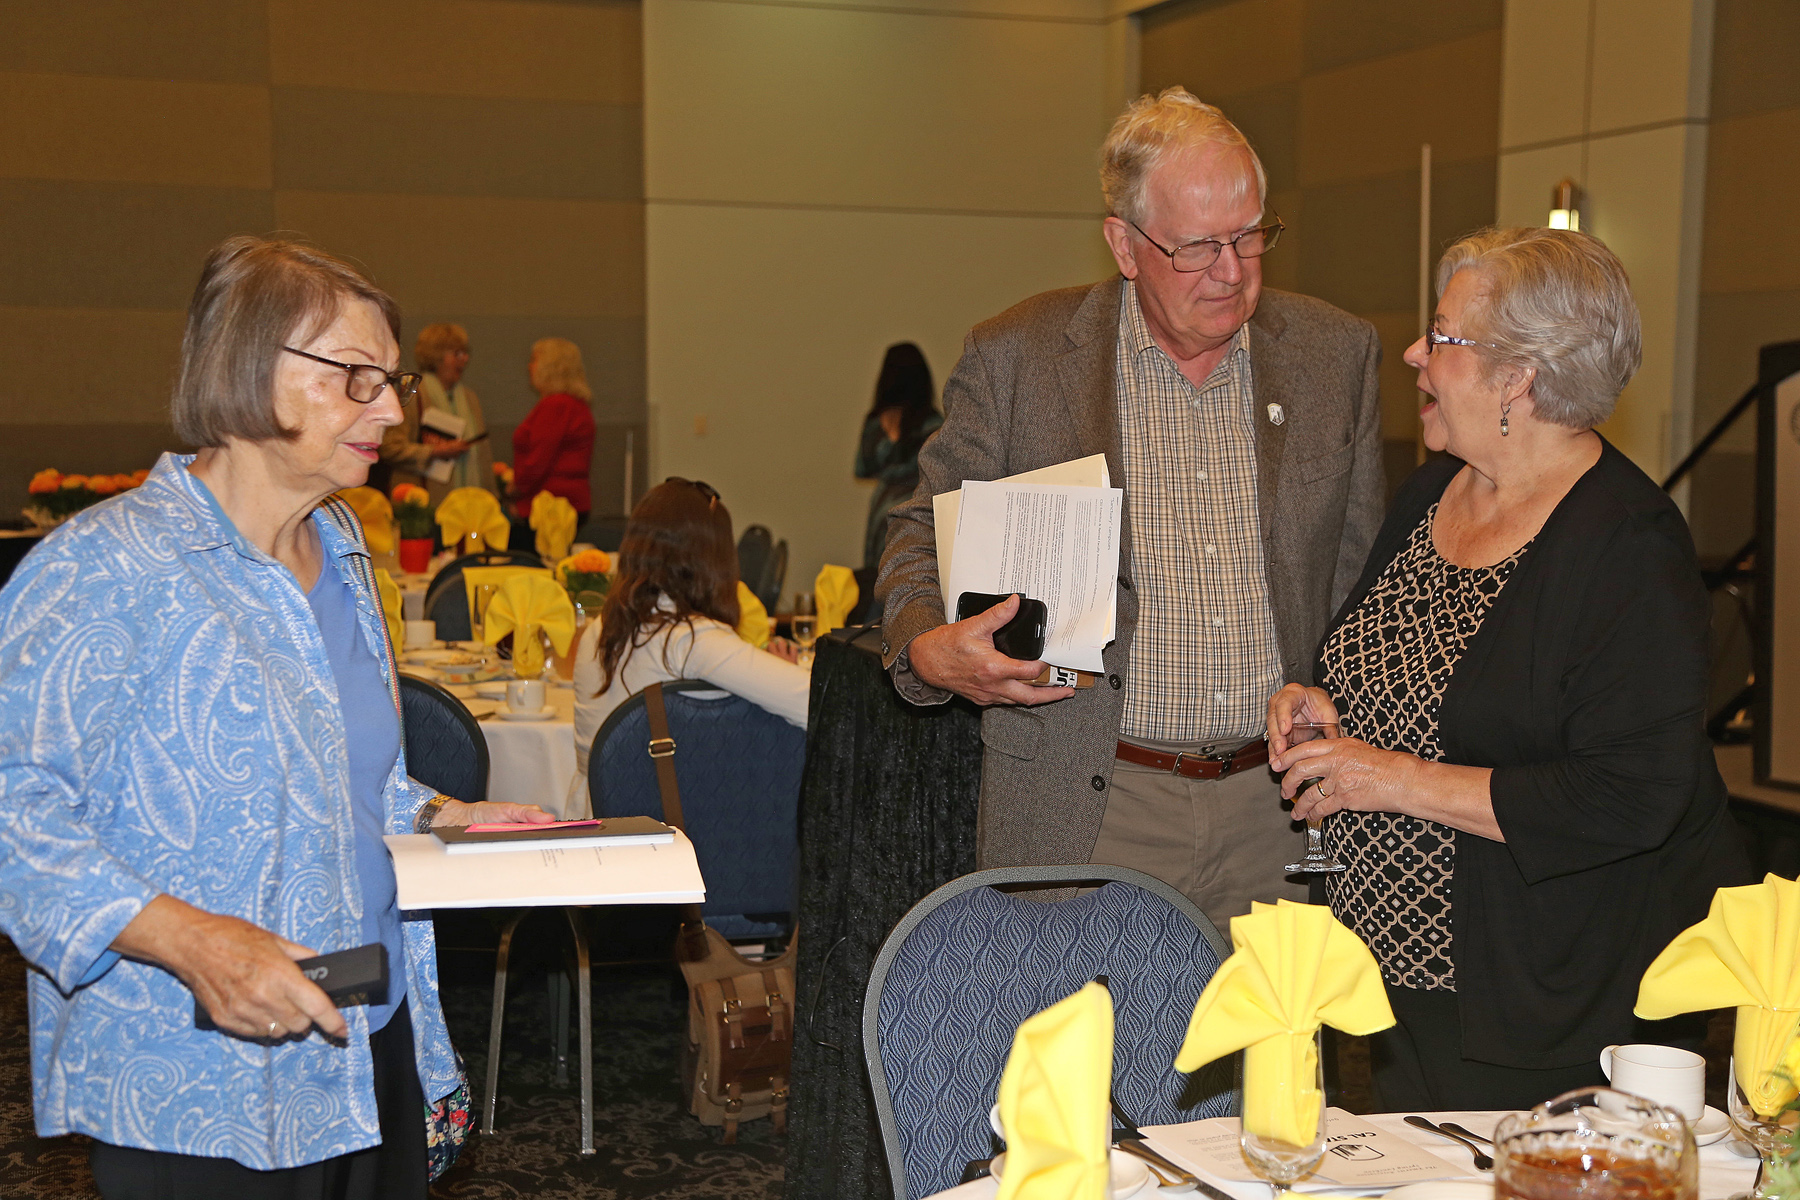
447,599
739,770
445,748
969,963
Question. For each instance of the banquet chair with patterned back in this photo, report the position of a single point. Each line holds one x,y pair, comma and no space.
738,767
445,748
446,598
970,962
774,576
755,546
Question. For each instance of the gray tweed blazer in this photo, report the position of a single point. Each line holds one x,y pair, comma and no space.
1035,387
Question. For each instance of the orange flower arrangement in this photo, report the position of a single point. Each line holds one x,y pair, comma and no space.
503,475
56,497
589,571
412,510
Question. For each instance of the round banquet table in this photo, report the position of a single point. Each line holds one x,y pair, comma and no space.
529,762
1724,1170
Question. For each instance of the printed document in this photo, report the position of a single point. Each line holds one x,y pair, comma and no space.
642,874
1358,1156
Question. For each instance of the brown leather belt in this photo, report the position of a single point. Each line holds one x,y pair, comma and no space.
1198,766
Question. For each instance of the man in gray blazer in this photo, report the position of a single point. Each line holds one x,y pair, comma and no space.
1245,428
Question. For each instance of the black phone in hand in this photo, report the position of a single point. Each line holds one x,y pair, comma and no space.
1023,636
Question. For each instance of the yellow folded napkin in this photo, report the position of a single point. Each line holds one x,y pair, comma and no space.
376,514
474,577
1746,953
391,608
753,618
1294,969
1054,1097
473,510
835,593
525,604
554,520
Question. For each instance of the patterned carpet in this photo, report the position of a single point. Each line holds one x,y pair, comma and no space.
649,1148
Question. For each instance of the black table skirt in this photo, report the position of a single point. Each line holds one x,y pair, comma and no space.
887,813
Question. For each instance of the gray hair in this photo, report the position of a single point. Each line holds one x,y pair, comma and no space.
255,296
1557,301
1154,129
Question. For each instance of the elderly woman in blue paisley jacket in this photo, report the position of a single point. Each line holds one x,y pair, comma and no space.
200,750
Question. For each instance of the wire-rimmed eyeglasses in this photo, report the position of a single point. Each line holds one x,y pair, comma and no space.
1434,339
1197,256
706,489
363,381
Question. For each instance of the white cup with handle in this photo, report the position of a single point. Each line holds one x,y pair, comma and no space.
1668,1075
525,696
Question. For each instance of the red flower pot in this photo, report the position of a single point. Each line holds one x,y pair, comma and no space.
415,555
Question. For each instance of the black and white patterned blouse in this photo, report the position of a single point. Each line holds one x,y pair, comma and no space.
1387,667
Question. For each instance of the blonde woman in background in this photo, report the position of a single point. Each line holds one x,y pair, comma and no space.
442,354
553,447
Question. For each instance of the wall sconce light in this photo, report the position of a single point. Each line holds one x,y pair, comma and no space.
1565,205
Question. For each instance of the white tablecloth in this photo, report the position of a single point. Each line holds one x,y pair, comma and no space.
1723,1171
529,762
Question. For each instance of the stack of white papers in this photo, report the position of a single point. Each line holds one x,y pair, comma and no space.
641,874
1050,534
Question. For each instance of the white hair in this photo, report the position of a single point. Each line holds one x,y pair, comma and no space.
1154,129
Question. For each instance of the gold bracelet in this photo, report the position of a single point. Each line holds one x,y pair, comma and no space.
428,813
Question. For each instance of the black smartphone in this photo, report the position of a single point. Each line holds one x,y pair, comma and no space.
1023,636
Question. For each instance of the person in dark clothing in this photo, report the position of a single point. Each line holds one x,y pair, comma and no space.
1525,797
904,414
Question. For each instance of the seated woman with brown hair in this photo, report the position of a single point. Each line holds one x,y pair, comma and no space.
672,613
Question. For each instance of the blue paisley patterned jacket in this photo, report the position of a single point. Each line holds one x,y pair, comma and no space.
169,723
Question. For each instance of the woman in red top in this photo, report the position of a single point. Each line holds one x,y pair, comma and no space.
553,447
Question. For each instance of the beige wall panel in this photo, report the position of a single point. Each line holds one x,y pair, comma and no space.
484,255
156,39
327,139
1181,44
115,245
1733,327
1399,382
1340,32
788,105
1522,196
134,130
1546,55
1446,95
1641,60
1752,186
122,375
1086,12
1281,266
588,52
612,350
1755,46
84,449
778,345
1636,208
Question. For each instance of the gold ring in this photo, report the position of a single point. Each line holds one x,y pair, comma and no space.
1320,785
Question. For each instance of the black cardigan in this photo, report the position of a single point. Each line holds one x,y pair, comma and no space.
1584,690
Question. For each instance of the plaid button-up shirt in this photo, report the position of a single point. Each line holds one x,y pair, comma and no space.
1204,660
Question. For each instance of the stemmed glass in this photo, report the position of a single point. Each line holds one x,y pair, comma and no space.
1316,862
484,596
805,625
1280,1162
1772,1136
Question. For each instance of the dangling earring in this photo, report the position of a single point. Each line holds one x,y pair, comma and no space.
1505,410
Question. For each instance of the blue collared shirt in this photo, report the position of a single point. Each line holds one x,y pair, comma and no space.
169,723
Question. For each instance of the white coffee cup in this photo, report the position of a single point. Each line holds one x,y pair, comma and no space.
421,634
1670,1076
525,696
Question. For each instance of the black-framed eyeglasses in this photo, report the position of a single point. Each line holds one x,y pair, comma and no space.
1197,256
1434,339
706,489
363,381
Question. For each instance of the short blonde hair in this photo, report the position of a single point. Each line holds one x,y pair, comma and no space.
1557,301
1154,129
559,367
437,341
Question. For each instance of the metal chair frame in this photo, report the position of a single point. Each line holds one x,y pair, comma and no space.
994,877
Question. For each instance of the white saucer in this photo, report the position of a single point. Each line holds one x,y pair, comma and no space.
1129,1174
1713,1126
507,714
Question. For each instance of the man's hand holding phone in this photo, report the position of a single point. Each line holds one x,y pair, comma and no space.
960,657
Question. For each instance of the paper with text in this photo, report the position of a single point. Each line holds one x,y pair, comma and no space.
1357,1154
427,877
1053,543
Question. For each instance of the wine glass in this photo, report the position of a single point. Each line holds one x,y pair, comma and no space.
484,596
1316,862
805,625
1282,1162
1772,1136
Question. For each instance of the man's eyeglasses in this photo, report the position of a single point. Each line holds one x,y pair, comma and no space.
1434,339
705,489
1197,256
363,382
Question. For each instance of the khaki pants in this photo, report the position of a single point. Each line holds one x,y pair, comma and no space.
1222,843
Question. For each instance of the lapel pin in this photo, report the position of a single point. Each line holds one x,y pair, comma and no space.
1276,416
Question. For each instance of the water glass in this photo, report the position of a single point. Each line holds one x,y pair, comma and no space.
1772,1136
484,596
805,625
1282,1162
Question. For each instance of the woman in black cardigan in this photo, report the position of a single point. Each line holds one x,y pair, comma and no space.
1527,801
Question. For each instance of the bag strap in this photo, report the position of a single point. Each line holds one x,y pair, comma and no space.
691,945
